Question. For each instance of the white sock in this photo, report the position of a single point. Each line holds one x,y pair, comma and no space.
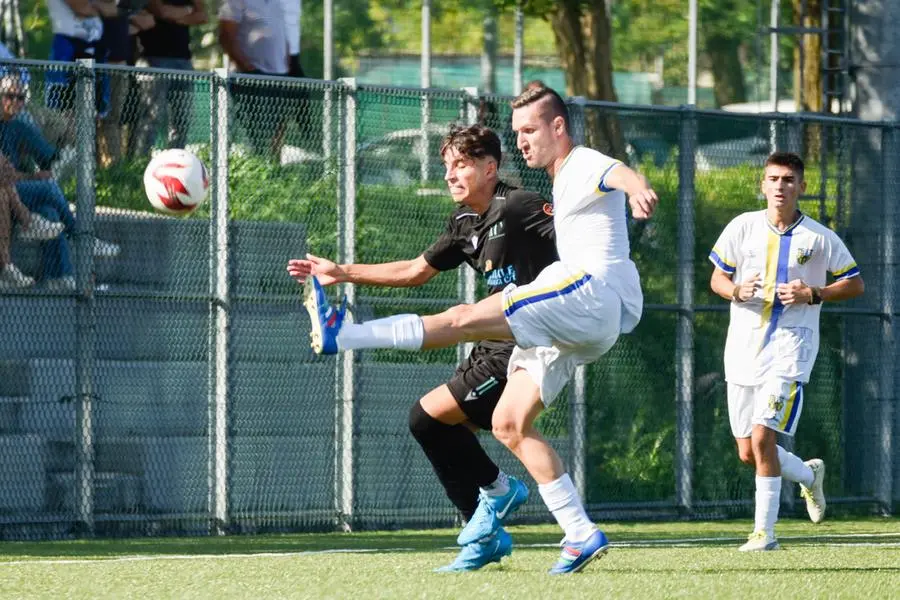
793,468
562,499
500,487
402,332
768,496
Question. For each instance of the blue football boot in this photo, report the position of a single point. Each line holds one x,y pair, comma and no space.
478,554
491,512
575,557
325,320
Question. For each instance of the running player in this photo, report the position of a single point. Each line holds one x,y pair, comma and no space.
771,264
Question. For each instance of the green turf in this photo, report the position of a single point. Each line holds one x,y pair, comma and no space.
837,559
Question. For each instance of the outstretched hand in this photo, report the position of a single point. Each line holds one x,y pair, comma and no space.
326,271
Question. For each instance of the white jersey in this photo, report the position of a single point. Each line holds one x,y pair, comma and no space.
64,21
767,339
591,231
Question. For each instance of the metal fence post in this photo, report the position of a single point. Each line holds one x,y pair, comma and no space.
466,274
346,379
578,390
890,183
219,252
85,326
684,342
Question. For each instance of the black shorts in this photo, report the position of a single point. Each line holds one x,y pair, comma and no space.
480,379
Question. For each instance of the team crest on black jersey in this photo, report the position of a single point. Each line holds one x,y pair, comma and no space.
803,255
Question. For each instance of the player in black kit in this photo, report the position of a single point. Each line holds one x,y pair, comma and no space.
506,234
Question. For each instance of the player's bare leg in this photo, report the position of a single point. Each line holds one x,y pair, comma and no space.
768,490
483,320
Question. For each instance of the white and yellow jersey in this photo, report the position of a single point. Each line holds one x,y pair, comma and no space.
591,231
766,338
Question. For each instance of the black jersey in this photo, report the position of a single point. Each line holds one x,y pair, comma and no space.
510,243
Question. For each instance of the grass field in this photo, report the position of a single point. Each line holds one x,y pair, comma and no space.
857,558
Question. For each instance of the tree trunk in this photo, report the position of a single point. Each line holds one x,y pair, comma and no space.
728,74
489,50
584,44
808,71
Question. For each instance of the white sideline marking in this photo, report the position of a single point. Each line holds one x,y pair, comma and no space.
148,557
674,542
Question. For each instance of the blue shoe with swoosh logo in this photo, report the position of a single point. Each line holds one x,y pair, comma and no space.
491,512
576,556
478,554
325,320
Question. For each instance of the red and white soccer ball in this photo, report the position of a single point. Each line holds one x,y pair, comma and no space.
176,182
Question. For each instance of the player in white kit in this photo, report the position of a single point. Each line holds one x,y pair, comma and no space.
570,315
780,257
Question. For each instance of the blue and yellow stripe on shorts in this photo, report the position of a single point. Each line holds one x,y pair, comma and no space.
778,251
516,301
792,408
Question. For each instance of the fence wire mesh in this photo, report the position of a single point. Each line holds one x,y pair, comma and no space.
155,375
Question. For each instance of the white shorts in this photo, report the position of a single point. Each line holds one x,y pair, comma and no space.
776,404
562,319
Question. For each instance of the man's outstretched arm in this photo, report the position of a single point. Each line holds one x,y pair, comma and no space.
403,273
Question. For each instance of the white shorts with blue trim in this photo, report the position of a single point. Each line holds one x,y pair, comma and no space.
562,319
776,404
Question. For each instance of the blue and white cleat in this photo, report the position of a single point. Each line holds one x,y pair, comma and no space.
478,554
491,512
575,557
325,320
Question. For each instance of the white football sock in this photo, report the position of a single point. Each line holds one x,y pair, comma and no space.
500,487
562,499
402,332
793,468
768,497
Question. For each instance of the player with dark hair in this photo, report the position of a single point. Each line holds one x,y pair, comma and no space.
570,315
506,234
772,265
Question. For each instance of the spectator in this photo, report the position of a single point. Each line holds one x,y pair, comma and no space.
252,34
116,47
25,147
77,29
166,97
291,10
32,227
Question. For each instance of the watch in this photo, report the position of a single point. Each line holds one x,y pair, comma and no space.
816,295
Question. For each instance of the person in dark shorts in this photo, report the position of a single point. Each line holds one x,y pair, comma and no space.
505,234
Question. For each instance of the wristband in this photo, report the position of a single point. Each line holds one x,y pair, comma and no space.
816,295
736,294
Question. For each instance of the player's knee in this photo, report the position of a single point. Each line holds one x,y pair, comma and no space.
506,430
462,317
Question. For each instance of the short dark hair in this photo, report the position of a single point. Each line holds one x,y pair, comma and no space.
789,160
536,91
473,141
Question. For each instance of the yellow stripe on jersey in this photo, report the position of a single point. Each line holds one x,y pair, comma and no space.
844,271
723,259
769,278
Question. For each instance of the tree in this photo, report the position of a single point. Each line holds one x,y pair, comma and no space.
807,57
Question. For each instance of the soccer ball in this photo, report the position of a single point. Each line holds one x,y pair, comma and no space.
176,182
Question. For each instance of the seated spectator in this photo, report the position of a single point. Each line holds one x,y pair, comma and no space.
167,99
26,148
31,227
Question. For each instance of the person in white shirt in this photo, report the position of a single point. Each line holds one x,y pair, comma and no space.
772,264
570,315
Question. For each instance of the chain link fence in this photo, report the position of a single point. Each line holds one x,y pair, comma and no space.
155,373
